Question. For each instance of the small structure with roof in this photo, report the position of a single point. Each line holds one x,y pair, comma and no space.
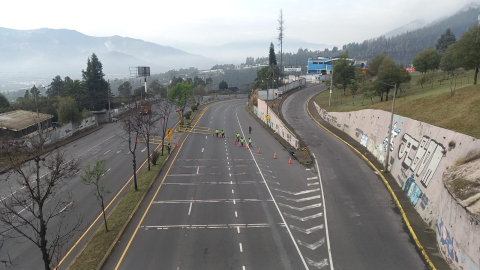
20,123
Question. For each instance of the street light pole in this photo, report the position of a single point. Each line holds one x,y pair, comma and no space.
390,128
331,83
108,97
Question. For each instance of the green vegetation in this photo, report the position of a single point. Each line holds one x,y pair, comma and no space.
67,111
181,95
223,85
98,246
433,104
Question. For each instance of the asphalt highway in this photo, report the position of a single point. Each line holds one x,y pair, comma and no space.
220,206
106,143
365,230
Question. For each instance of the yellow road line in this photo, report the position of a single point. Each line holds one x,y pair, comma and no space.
106,208
156,193
407,222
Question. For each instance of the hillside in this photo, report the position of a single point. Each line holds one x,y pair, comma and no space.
61,51
403,47
432,104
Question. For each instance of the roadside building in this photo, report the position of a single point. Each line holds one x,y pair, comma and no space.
19,123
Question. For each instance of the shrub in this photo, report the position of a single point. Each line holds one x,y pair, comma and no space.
194,108
155,156
188,115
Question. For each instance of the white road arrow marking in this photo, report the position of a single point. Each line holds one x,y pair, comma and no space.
314,245
301,208
298,193
301,199
304,218
318,265
307,231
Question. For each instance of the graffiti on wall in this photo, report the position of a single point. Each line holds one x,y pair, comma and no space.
421,157
446,241
395,131
414,193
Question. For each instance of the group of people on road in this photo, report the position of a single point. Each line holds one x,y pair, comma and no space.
238,139
241,140
222,134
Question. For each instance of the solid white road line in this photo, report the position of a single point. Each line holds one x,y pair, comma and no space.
309,230
301,199
241,249
318,265
325,213
303,218
271,195
190,209
301,208
314,245
298,193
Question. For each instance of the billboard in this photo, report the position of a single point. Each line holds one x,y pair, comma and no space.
143,71
292,68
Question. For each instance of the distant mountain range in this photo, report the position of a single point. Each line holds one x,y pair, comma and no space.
65,52
419,23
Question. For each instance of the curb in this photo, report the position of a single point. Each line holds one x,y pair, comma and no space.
120,233
404,216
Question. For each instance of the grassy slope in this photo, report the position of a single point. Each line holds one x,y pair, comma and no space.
433,105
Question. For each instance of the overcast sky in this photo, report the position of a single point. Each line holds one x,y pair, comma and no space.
218,22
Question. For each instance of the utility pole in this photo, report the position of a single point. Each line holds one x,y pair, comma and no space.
390,128
331,83
108,97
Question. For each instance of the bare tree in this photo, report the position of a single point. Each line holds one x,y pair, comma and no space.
146,124
37,206
92,176
280,38
130,122
166,108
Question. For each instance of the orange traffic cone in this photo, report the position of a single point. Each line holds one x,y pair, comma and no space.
275,156
213,134
290,160
246,146
239,144
177,143
259,150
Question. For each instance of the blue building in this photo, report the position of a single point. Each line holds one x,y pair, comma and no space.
321,65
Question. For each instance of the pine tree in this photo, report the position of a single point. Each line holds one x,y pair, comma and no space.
444,41
94,81
272,58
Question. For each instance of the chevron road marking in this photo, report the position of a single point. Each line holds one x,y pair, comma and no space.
303,218
301,199
297,193
314,245
312,178
309,230
318,265
301,208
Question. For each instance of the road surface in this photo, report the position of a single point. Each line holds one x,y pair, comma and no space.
221,206
105,143
366,232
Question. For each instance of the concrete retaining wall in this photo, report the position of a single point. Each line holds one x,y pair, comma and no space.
281,90
275,123
458,233
419,153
